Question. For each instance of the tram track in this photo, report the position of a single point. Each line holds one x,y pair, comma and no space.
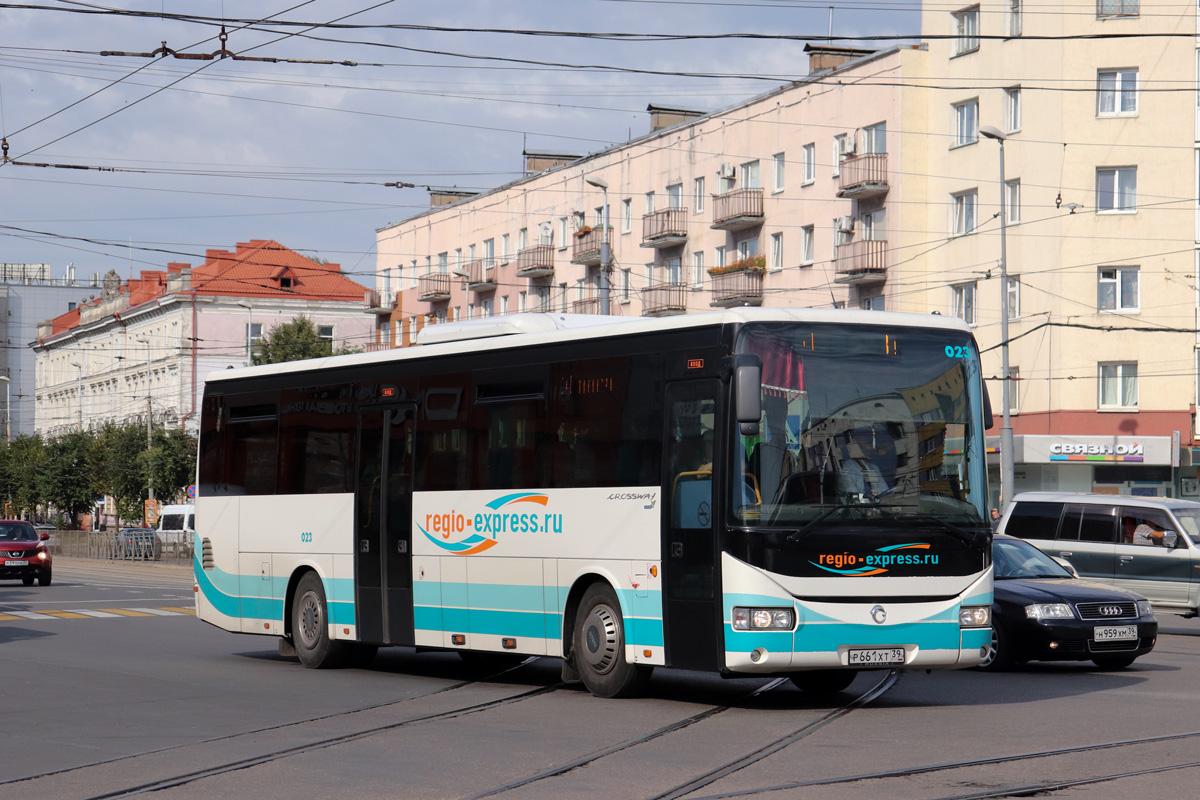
909,772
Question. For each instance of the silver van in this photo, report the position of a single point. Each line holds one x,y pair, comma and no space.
177,529
1148,545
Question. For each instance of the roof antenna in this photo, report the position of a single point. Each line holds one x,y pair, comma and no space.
831,24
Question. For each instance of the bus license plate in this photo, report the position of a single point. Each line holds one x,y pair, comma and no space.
884,655
1116,633
16,563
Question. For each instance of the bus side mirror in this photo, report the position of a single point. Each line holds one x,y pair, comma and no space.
747,394
989,419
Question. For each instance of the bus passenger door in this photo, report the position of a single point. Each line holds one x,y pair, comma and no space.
691,606
383,525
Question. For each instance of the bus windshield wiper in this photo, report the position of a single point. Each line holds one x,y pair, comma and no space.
796,536
955,531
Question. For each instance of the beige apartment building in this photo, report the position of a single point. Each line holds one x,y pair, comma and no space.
786,199
1100,143
868,185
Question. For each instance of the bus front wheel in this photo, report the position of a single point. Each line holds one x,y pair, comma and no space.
310,626
599,646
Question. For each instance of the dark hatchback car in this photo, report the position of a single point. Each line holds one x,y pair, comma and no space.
1042,612
24,554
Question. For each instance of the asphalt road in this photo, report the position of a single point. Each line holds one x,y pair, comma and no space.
112,688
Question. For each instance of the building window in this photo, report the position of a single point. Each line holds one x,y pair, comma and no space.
675,195
963,299
625,284
1117,8
807,245
809,158
1119,385
874,138
564,232
254,336
1116,92
412,278
721,256
750,175
777,164
698,196
1012,108
1012,201
698,269
966,30
966,123
1014,297
627,215
443,263
1014,381
1116,189
1117,290
458,259
842,149
964,212
522,239
546,234
872,302
504,304
522,302
649,202
1014,18
747,248
505,252
325,333
776,251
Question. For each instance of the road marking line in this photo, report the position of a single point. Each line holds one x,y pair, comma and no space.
7,617
28,615
125,612
99,614
180,609
66,614
157,612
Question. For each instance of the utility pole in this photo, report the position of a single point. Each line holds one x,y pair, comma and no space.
149,417
605,247
79,390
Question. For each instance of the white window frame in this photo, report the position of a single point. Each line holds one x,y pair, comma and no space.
748,177
627,215
1012,108
1118,8
808,235
1014,296
965,29
505,244
698,268
874,138
675,195
626,282
649,202
1122,391
1117,92
412,278
777,171
964,119
1015,21
776,252
1124,187
698,195
522,239
962,301
1012,202
964,212
721,256
564,232
809,161
1014,397
1114,281
839,148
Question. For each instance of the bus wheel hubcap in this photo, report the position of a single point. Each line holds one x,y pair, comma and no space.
601,633
310,620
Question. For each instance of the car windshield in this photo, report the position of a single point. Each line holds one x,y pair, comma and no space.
1014,559
17,532
862,422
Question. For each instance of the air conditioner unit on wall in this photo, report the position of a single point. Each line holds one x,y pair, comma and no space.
849,143
726,171
845,224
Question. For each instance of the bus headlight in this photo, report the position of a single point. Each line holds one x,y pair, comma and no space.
975,616
1049,611
763,619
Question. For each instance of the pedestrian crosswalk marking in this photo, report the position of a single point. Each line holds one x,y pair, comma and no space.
95,613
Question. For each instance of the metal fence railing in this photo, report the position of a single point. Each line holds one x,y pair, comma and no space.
121,546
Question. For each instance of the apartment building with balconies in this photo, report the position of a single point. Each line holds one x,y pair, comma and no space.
786,199
1096,102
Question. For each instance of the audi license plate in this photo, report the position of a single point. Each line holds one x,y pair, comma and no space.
22,563
1117,633
876,656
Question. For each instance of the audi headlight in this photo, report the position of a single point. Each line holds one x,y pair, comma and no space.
975,616
1144,609
763,619
1049,611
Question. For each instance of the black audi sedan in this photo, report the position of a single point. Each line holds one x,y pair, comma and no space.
1042,612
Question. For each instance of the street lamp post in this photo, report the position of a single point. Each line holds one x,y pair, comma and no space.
605,248
79,390
1006,434
7,408
149,416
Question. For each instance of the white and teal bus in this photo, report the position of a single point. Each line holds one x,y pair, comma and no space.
781,492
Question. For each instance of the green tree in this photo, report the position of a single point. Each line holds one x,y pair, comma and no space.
115,462
170,464
294,341
26,462
65,482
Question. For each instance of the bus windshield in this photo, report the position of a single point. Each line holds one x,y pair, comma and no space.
862,423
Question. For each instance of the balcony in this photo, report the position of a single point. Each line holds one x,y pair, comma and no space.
588,305
586,247
378,303
665,228
433,286
737,289
740,208
664,300
376,347
481,275
861,262
863,176
536,261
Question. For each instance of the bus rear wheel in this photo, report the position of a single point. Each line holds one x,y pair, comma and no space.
599,646
824,681
310,627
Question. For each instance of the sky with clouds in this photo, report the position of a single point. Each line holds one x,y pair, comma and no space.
188,154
